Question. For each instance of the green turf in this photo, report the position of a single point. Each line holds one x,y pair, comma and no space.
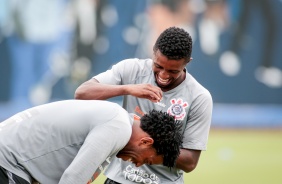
245,157
238,157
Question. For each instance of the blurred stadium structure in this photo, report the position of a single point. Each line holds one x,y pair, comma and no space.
49,47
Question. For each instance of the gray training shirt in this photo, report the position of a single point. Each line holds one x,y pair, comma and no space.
63,142
189,102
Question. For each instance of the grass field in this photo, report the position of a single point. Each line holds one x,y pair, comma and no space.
238,157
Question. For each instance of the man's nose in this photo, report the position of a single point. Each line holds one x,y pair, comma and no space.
163,74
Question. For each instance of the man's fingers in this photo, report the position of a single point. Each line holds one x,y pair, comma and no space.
155,93
153,99
158,94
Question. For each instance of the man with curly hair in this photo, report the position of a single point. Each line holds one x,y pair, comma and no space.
70,141
161,83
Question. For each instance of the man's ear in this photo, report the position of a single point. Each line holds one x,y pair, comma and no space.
146,141
189,60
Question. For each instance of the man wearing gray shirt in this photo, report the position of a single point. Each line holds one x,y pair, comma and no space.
71,142
161,83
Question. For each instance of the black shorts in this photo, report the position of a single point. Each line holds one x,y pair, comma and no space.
6,176
109,181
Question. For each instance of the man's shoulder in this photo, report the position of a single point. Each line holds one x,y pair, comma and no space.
136,67
137,61
196,87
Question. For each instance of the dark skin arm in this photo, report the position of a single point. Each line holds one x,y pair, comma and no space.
93,90
188,159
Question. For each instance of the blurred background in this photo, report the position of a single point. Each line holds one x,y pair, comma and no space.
49,47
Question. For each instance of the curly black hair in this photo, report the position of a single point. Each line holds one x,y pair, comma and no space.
166,132
175,43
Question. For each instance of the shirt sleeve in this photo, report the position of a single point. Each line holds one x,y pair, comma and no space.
103,141
120,73
198,124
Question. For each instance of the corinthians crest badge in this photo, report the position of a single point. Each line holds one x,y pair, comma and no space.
177,108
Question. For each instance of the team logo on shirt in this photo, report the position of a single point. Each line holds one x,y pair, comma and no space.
137,175
177,108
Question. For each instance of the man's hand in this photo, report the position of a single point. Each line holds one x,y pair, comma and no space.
93,90
148,91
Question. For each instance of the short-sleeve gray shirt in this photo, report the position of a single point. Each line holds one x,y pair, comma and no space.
189,102
63,142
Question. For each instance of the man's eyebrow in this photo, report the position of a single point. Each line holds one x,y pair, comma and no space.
156,63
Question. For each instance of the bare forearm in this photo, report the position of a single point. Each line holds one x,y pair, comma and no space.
92,90
188,160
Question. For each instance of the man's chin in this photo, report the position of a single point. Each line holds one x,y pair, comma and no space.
123,157
119,155
163,86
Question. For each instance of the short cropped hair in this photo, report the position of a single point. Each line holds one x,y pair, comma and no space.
175,43
166,132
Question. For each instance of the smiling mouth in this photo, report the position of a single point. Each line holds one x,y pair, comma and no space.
129,160
162,82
